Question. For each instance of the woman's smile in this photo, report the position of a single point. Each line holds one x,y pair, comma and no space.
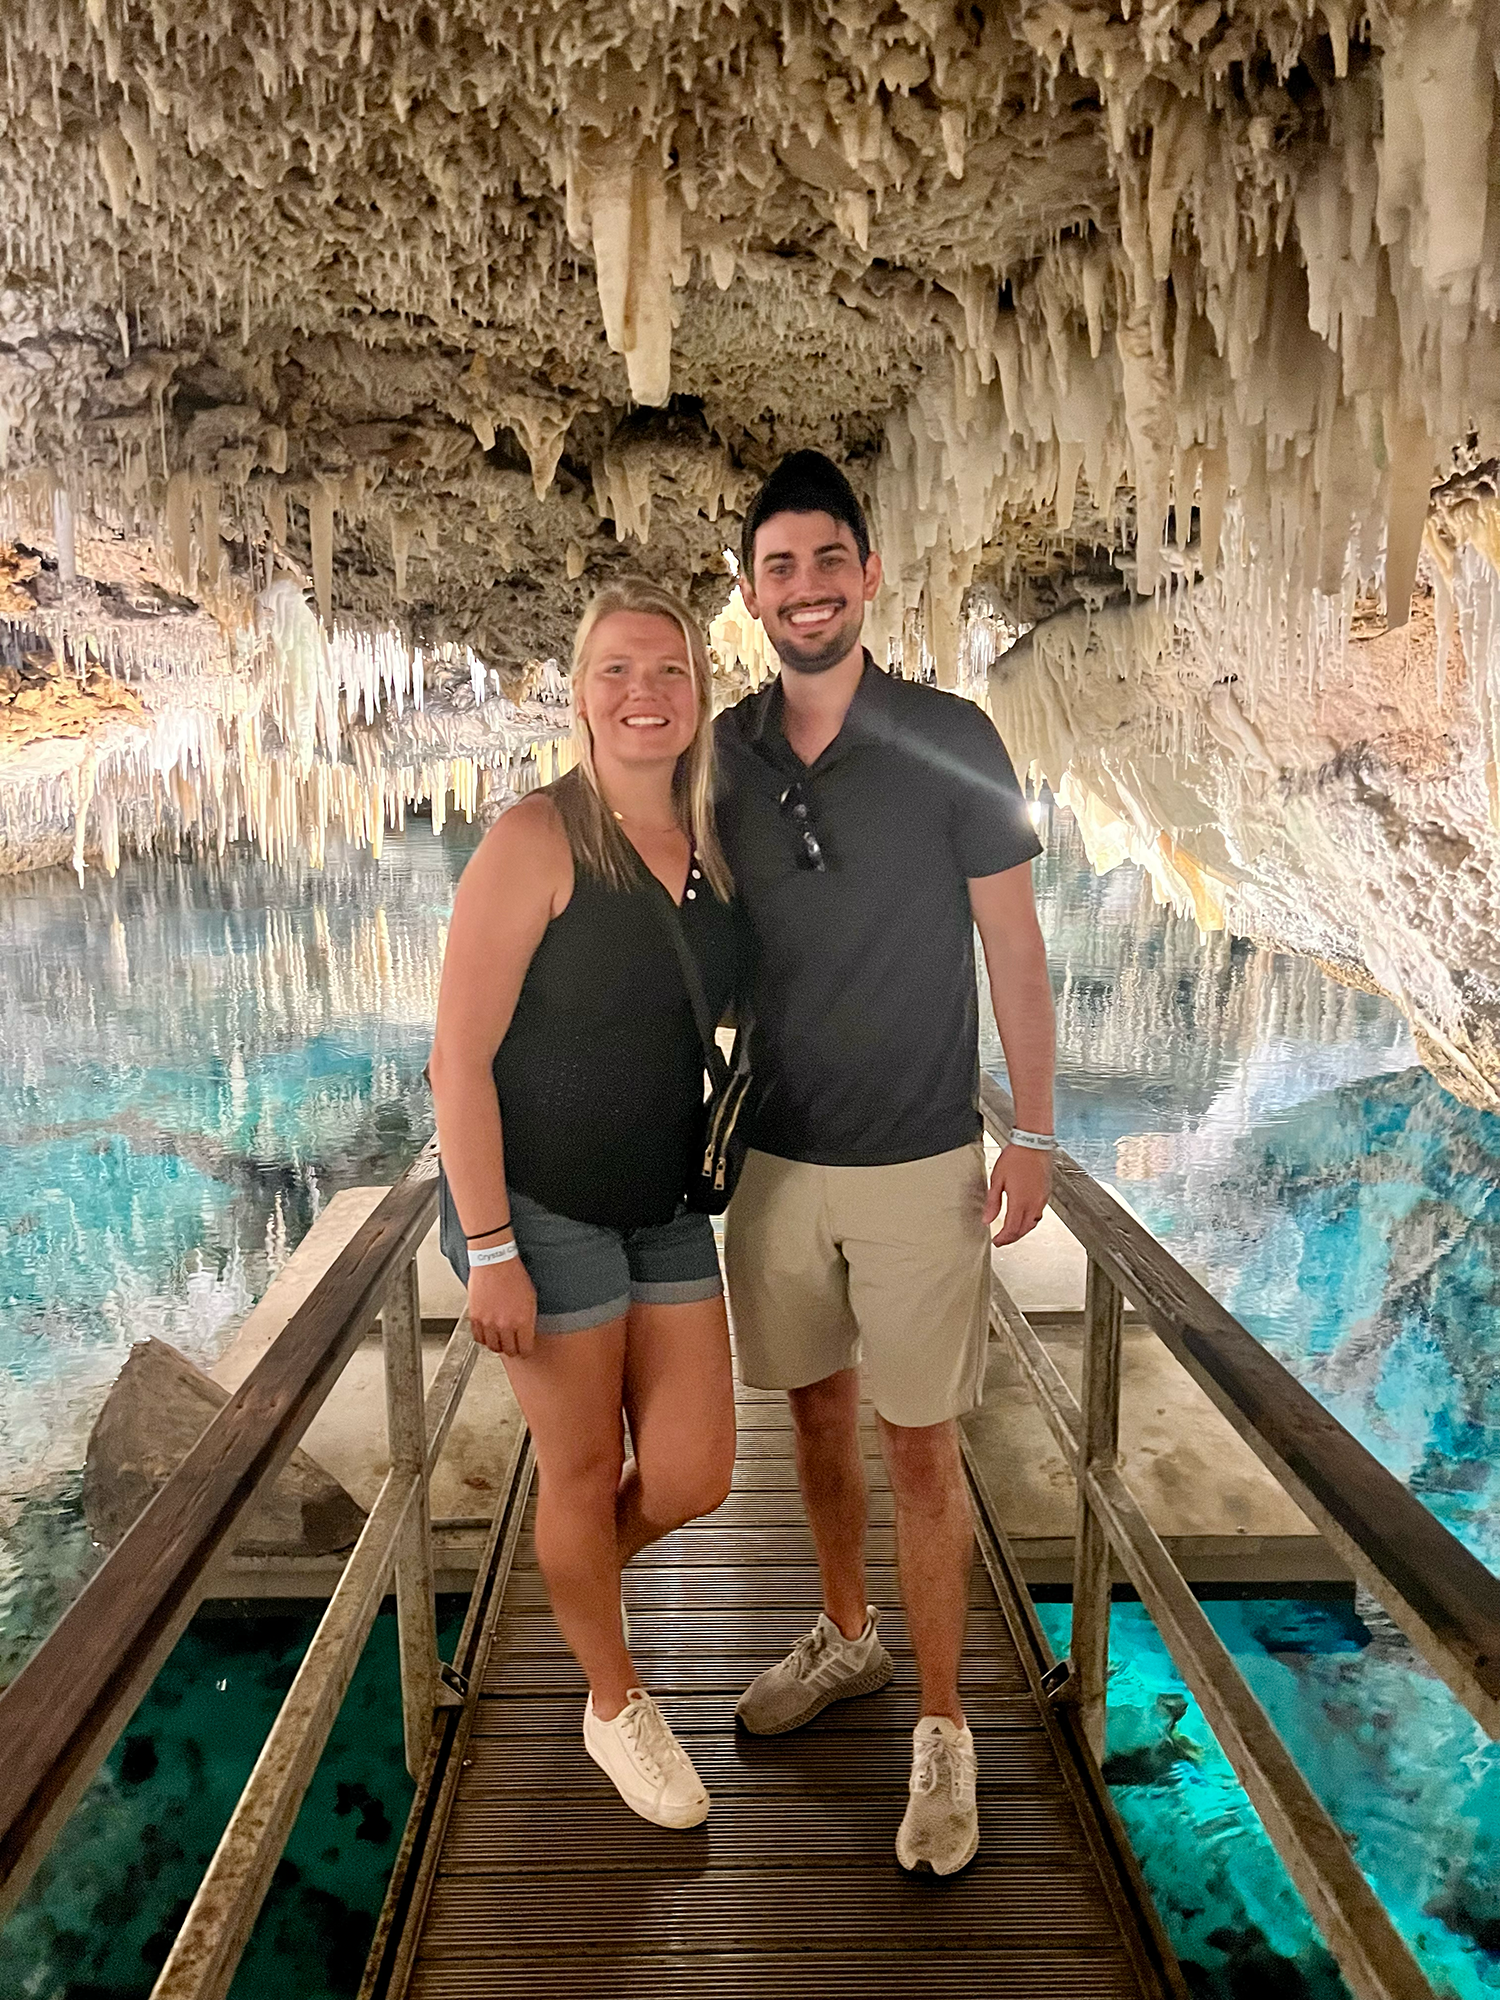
638,692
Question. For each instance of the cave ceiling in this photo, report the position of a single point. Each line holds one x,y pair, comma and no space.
494,285
454,310
346,346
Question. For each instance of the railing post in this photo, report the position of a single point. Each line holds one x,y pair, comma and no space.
1098,1447
416,1605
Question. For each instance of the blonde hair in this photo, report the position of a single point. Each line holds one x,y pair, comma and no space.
594,834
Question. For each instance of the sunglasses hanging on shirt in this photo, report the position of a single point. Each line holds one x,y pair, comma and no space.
794,807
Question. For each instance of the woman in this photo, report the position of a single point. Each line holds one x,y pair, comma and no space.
568,1076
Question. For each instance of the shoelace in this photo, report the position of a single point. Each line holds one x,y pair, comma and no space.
650,1738
937,1760
808,1652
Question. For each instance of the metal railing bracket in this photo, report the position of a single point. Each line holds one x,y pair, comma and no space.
1059,1682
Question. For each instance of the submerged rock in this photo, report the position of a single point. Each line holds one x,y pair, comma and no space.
46,1557
158,1409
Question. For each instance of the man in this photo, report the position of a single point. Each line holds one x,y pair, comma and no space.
871,824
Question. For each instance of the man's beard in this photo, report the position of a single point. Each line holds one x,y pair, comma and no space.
825,653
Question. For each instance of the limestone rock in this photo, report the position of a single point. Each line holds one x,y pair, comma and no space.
16,573
158,1409
446,315
1331,792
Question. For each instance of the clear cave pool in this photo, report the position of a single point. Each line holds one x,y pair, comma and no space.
195,1055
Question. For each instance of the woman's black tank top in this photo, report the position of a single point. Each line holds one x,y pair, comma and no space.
600,1074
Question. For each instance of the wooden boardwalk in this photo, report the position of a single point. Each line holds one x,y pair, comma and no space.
520,1873
539,1882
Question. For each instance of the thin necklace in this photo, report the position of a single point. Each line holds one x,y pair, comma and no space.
645,826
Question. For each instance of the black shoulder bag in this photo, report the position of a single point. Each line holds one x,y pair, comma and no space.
711,1182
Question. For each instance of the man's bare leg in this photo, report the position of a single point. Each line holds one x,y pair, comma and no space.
831,1472
935,1548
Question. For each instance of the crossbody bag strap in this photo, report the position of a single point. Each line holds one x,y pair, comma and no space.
692,979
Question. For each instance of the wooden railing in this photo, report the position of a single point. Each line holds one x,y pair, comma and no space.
61,1715
1440,1595
63,1712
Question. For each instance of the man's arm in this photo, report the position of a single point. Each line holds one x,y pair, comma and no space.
1005,913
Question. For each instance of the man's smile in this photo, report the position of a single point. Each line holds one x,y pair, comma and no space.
808,618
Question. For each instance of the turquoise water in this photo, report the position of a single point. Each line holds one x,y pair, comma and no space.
195,1057
1273,1129
1399,1765
197,1054
1364,1250
99,1920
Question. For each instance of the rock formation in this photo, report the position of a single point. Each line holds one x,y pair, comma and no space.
1153,327
156,1412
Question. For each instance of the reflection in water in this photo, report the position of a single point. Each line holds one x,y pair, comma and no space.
1171,1044
1274,1130
195,1056
1358,1234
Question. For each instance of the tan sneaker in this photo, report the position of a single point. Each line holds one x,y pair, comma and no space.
822,1667
941,1827
645,1763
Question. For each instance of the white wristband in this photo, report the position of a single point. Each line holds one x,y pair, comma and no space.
498,1253
1033,1142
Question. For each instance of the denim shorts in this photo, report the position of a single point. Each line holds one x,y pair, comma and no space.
585,1274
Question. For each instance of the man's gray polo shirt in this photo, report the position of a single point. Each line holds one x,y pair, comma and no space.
866,1044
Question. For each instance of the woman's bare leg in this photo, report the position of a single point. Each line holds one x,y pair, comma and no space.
669,1367
571,1389
679,1395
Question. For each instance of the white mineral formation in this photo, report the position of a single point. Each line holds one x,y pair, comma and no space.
1151,327
1297,772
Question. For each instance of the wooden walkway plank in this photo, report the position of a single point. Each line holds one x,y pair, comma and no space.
954,1973
727,1632
713,1714
546,1887
699,1589
781,1509
836,1761
700,1543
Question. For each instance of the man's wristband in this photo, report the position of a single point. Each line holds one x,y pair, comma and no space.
1033,1142
498,1253
475,1235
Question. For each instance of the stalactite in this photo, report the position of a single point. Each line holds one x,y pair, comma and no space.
320,531
179,521
281,735
1193,290
635,232
63,530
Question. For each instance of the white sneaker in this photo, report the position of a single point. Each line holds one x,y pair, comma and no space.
645,1763
822,1667
941,1827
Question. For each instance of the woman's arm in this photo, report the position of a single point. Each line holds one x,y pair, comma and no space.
520,877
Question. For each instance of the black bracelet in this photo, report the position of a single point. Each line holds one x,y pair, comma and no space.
494,1230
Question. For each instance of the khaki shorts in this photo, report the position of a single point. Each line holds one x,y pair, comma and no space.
889,1267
